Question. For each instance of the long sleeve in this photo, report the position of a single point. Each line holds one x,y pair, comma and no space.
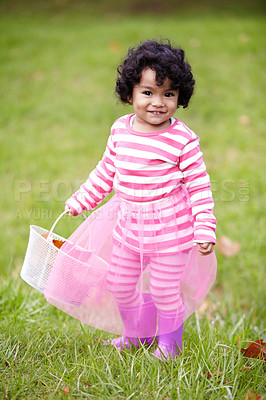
98,185
197,183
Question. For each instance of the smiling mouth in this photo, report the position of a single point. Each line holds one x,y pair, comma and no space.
156,112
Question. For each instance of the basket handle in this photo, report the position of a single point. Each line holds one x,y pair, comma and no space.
56,222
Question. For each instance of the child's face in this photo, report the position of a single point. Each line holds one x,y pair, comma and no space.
154,105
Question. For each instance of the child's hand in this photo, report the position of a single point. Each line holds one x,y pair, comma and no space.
205,248
69,211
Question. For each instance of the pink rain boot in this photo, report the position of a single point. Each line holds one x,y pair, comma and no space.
140,325
170,344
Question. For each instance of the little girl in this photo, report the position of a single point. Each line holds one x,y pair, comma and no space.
160,250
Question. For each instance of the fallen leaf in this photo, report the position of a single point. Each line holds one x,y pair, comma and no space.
252,396
245,369
244,120
243,38
37,75
58,243
216,373
86,383
203,308
115,47
209,375
66,390
207,309
255,349
194,42
226,247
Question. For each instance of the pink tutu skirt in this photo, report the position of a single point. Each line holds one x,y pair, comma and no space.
79,282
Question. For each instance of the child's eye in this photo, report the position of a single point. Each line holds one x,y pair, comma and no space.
169,94
147,93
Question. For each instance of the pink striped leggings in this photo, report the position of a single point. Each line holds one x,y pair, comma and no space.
165,274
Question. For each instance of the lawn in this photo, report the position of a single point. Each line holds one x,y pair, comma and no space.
58,64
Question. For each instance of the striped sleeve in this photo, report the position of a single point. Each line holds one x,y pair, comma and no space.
98,185
198,184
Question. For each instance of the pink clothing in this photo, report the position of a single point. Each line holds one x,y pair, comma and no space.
132,262
165,279
91,277
161,227
148,167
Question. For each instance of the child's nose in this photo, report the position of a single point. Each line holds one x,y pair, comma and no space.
157,101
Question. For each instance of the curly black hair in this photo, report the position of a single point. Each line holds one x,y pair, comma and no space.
167,61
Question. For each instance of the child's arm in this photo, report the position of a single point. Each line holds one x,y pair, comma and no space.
198,184
98,185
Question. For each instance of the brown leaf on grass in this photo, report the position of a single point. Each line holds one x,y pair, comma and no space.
203,308
244,369
208,309
66,390
216,373
255,349
244,120
252,396
37,75
194,42
243,38
226,247
115,47
209,375
86,383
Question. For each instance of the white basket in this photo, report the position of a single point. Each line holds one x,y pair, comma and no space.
68,274
40,256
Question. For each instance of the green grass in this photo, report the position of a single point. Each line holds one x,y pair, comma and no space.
44,352
57,70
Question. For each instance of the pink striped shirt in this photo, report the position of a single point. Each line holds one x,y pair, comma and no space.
148,167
